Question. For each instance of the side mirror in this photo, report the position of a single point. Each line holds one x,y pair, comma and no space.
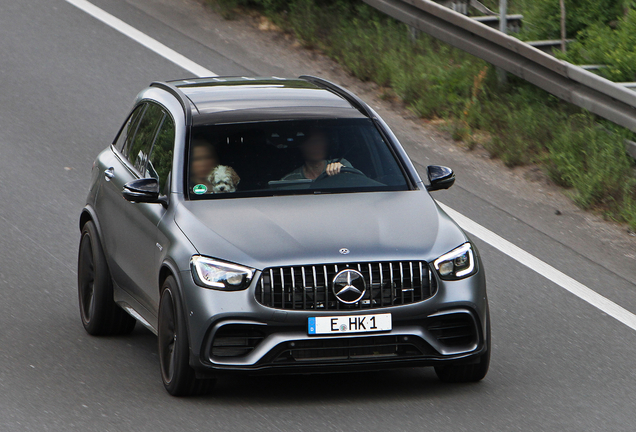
440,177
145,190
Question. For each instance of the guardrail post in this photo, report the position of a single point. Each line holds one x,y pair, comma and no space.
414,34
503,16
563,35
503,27
630,146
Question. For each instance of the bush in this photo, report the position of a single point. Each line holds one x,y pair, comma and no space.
434,79
542,18
593,162
521,121
615,48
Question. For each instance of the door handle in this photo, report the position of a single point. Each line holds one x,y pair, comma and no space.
109,173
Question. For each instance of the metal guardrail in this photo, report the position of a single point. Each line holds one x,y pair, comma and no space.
548,45
513,22
569,82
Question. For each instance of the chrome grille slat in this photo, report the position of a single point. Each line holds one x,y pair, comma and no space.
421,281
392,282
412,287
280,287
315,279
335,268
272,285
324,268
381,285
361,302
401,283
282,284
295,288
371,297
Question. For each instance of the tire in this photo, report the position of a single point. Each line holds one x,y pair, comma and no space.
462,373
100,314
178,377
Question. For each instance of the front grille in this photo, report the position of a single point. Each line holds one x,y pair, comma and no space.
453,330
361,348
310,287
235,340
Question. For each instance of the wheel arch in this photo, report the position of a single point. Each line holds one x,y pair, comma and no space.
88,214
169,268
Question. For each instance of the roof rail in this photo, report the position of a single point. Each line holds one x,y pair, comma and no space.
181,97
345,94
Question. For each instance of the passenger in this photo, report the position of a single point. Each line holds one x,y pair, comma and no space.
203,160
314,151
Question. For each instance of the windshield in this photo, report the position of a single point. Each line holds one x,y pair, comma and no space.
290,157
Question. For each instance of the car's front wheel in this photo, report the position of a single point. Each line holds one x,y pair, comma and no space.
100,314
467,372
178,377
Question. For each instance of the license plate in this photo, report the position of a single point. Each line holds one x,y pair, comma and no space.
349,324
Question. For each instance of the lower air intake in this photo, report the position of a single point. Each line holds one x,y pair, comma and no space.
453,330
235,341
352,349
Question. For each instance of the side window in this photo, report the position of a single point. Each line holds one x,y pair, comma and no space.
137,152
129,129
160,162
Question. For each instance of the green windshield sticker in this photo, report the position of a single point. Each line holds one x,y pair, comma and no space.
200,189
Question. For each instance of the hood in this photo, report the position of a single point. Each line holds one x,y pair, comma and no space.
311,229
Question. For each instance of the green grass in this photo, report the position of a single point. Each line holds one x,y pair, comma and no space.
526,124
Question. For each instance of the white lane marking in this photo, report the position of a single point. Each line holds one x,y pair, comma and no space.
142,38
545,270
503,245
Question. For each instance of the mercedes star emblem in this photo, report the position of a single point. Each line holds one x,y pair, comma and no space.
349,286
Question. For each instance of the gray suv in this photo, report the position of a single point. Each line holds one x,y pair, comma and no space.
267,225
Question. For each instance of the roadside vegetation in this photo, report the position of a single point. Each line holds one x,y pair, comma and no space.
518,123
542,18
611,45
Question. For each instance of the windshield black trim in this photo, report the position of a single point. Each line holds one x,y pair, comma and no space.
286,192
391,144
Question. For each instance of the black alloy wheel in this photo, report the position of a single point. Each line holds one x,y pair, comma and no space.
178,377
100,315
86,280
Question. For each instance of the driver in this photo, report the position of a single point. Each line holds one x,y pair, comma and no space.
314,151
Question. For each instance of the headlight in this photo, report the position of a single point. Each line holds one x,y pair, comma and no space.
210,273
456,264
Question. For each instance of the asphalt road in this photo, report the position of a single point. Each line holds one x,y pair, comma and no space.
67,82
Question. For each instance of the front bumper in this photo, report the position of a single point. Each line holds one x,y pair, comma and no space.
232,332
